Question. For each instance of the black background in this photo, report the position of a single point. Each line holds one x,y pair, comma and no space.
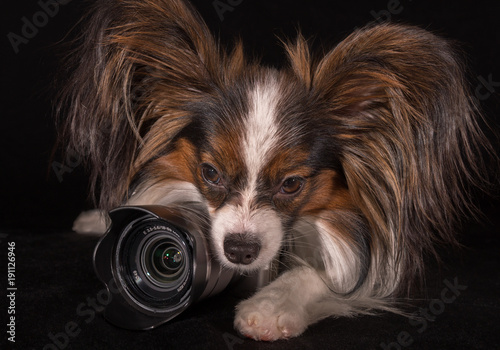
37,208
32,195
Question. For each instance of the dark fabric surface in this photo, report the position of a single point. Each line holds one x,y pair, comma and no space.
59,304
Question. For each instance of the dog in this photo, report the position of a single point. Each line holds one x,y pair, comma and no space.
352,165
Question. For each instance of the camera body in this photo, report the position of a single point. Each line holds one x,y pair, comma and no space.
155,262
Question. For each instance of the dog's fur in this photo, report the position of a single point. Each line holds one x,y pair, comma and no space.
352,165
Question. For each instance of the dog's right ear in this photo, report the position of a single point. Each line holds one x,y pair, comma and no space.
137,63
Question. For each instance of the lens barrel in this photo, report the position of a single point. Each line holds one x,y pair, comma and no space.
140,254
156,262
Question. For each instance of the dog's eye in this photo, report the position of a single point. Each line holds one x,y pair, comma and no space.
210,174
291,185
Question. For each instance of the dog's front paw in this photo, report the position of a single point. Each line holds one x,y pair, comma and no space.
91,222
268,317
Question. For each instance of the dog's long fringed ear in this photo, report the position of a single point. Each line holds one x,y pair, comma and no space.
137,63
410,134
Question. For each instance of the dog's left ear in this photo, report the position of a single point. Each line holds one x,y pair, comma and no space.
137,64
408,129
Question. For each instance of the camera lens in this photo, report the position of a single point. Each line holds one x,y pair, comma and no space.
158,258
155,259
164,261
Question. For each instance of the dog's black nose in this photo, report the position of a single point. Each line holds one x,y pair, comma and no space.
241,248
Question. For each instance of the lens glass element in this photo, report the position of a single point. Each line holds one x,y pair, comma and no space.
172,258
164,261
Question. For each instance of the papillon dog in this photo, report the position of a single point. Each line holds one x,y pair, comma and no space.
351,165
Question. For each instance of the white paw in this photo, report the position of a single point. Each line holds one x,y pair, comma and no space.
270,316
90,222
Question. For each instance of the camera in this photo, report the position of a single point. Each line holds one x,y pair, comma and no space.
155,262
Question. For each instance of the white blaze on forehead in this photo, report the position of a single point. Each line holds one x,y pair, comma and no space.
260,130
259,139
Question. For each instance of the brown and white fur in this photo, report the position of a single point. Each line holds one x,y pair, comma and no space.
352,164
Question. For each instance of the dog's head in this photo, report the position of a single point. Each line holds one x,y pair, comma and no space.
262,155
